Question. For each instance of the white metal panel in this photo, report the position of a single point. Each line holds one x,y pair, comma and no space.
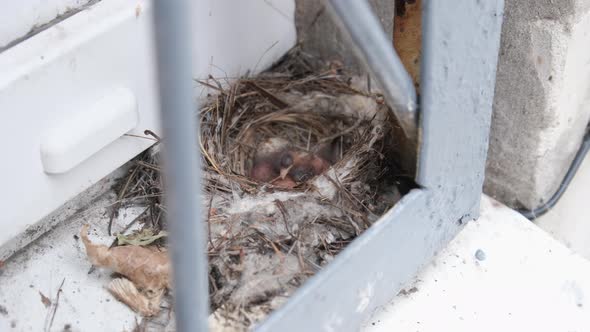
84,134
23,16
57,75
61,71
241,36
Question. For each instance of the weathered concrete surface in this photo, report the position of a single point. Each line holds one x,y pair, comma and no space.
542,97
486,280
319,36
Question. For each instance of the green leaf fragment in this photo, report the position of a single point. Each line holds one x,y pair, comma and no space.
143,238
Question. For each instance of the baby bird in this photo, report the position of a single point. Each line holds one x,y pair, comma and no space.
306,166
287,166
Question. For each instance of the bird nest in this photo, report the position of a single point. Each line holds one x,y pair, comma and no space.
296,164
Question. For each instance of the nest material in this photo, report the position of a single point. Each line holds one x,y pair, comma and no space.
266,238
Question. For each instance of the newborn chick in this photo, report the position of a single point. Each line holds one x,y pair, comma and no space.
268,167
288,167
306,166
267,161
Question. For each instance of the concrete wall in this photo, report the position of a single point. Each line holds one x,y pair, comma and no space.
542,102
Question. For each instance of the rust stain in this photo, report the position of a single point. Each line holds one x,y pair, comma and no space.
137,10
407,36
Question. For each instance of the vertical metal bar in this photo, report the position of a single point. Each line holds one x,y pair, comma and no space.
181,165
378,53
459,58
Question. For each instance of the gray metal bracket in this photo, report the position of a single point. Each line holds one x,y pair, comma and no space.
460,48
376,49
461,40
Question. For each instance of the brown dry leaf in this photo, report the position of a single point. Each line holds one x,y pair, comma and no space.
45,300
126,292
147,268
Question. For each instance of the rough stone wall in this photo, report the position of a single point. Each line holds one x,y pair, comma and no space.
542,100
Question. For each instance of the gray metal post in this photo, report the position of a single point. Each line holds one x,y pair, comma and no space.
460,50
181,165
378,53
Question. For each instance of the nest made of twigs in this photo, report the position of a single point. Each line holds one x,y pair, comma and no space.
265,239
308,111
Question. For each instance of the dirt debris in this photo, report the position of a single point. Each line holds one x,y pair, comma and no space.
45,300
144,302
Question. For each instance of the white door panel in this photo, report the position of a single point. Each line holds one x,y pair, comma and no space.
65,71
21,17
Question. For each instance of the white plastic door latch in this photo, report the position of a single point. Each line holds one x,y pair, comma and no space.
78,137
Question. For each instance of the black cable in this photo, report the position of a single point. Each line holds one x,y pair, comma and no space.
571,172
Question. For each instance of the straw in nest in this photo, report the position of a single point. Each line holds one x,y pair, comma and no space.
266,237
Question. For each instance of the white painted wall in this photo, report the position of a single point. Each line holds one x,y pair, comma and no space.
232,37
63,71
